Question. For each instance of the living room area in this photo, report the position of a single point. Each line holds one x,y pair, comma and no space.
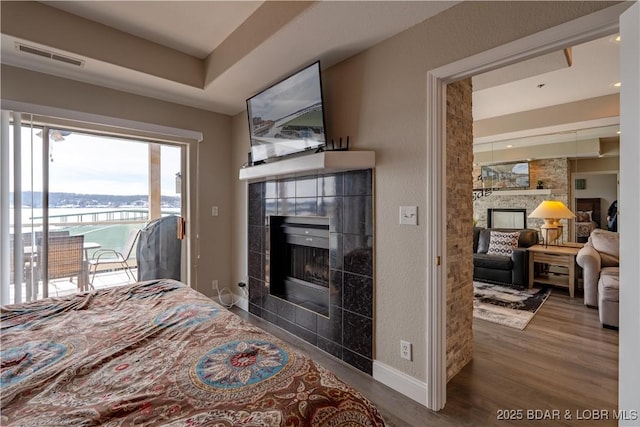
539,140
540,136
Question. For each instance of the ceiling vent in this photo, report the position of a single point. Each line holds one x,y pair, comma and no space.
48,54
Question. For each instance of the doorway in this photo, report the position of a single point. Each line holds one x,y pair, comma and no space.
583,29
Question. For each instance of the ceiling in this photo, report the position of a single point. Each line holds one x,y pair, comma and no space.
215,54
545,82
593,71
241,46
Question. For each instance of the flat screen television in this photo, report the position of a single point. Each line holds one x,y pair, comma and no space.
506,175
288,117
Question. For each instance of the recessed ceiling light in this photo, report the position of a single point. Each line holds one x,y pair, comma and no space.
509,146
618,132
617,38
617,84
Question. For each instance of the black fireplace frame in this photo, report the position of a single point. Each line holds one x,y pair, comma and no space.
288,231
491,211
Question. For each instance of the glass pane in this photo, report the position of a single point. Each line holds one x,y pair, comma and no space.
98,189
98,200
171,179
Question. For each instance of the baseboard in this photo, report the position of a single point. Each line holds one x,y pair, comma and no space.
400,382
242,302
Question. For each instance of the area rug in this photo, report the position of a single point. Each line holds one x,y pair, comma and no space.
509,306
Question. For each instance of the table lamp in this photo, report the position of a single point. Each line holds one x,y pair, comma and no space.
552,211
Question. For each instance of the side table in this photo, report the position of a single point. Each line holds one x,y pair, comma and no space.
560,256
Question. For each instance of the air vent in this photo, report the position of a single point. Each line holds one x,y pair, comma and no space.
48,54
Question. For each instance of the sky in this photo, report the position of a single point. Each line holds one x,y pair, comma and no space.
89,164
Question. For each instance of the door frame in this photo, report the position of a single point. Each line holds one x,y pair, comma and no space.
629,345
580,30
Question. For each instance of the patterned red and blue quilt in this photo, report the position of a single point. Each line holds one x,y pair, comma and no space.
160,353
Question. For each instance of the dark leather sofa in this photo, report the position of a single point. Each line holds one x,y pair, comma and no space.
512,270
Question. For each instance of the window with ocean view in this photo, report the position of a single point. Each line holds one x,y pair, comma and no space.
89,193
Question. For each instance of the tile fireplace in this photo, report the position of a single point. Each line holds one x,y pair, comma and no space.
311,260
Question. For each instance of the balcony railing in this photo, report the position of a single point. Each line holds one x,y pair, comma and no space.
105,229
122,216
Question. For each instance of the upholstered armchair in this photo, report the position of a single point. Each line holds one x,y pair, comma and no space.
599,259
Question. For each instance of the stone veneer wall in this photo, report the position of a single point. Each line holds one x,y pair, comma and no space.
347,199
459,230
554,172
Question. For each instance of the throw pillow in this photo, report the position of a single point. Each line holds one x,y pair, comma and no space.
583,216
503,243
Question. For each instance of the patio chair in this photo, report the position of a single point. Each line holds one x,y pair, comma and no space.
111,256
65,259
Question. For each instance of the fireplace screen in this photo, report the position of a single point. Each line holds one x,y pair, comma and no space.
299,261
309,264
507,218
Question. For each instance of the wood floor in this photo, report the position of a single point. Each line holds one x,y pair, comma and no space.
564,361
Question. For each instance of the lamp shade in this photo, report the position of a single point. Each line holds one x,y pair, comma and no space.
551,209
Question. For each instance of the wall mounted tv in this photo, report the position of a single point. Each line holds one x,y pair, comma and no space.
506,175
288,117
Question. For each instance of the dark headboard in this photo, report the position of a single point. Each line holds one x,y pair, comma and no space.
590,204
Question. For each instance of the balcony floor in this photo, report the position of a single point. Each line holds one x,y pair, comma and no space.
62,287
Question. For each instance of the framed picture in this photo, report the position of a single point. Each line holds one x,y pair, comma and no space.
505,175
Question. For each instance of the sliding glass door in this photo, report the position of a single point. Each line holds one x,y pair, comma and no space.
77,197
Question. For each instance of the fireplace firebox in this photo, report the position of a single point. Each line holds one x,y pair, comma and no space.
299,261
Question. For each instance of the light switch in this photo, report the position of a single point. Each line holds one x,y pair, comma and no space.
408,215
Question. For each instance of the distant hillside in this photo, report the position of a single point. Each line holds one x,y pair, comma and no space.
93,200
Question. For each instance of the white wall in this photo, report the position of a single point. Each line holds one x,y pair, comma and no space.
378,98
602,185
629,369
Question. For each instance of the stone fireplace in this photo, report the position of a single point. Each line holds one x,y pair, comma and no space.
311,260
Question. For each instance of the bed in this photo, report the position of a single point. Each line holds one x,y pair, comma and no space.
587,217
160,353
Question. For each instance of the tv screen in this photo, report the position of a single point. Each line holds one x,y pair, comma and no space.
288,117
506,175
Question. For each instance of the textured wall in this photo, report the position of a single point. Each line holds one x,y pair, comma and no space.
459,232
555,174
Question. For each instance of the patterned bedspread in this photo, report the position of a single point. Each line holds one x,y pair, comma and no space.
160,353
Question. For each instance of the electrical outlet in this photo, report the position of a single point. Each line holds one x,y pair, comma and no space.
405,350
214,284
214,211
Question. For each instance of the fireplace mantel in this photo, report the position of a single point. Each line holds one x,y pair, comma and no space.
323,162
527,192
